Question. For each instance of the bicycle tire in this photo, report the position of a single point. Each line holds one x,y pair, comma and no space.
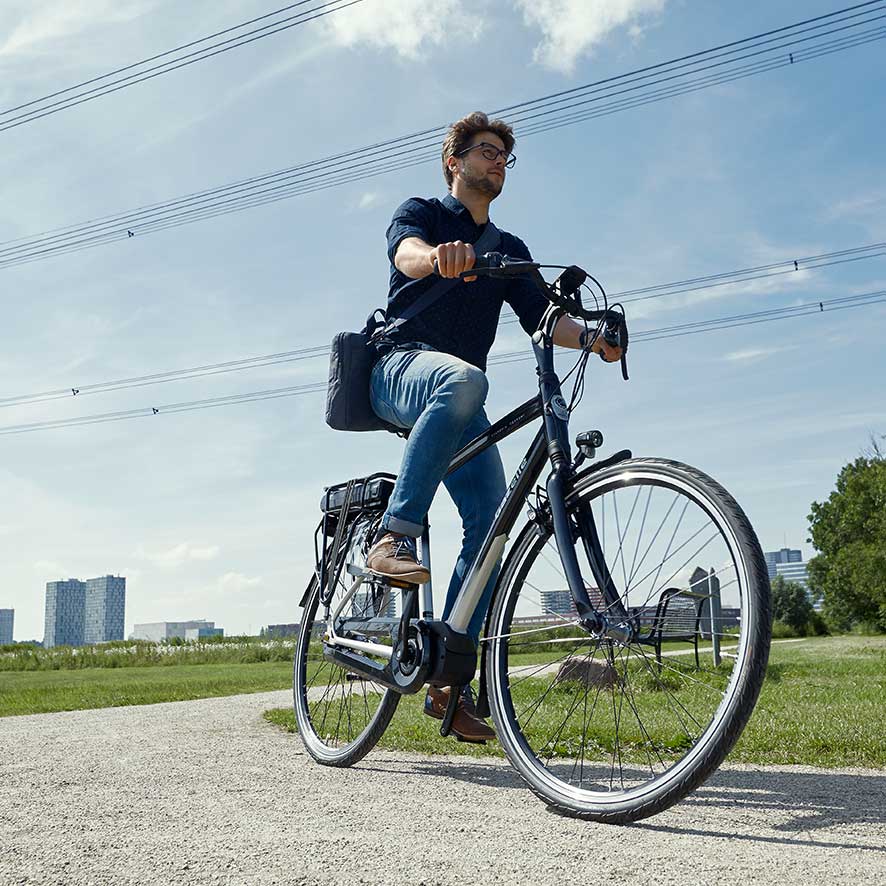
333,700
680,772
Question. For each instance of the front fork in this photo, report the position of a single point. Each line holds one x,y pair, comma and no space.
613,622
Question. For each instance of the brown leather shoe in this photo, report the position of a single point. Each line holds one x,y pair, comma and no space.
393,556
466,725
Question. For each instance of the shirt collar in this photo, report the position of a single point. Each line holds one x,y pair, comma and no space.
454,205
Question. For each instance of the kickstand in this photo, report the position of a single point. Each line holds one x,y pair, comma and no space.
451,708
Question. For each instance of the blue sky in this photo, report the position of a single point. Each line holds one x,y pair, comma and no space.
210,514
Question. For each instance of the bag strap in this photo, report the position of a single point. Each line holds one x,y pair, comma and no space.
488,242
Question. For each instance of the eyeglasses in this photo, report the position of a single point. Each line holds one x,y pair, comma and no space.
491,152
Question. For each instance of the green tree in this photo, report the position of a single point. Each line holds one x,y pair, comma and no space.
849,530
791,605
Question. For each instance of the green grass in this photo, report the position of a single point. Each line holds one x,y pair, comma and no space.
821,705
44,691
141,653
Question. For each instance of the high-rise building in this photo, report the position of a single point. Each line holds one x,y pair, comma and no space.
65,613
105,609
79,612
785,555
795,572
554,603
7,618
167,630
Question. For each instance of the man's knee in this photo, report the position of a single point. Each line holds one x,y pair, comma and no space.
464,389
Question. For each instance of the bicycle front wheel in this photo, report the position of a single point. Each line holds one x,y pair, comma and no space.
617,731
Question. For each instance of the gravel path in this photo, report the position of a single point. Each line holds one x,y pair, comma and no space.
207,792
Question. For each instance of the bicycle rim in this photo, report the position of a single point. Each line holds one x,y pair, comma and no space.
341,715
618,731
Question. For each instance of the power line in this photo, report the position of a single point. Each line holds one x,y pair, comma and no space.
45,106
691,284
790,312
539,115
296,181
716,324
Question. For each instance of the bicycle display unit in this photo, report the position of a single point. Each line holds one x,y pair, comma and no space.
628,633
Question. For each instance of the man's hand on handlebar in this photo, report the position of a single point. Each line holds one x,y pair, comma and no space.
608,353
452,259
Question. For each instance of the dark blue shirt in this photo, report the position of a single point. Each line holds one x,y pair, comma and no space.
463,321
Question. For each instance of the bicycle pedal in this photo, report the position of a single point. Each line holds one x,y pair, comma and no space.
467,740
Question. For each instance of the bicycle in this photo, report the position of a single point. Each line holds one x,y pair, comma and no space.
597,719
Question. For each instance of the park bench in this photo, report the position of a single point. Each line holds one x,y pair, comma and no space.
677,617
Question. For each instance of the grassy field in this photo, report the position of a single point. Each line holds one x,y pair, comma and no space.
822,704
142,653
43,691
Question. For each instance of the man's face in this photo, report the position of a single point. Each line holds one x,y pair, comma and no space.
478,173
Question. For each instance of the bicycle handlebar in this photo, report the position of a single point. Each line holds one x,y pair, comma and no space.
564,292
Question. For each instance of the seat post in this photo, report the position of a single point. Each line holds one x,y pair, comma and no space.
424,557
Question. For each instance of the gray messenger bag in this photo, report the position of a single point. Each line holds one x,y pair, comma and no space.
353,355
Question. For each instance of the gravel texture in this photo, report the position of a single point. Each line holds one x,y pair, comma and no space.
207,792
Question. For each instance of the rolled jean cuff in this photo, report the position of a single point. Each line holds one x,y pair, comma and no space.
402,527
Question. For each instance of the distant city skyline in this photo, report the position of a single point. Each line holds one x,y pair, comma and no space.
783,555
78,613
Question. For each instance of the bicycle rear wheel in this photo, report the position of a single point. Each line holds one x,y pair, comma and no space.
616,731
341,715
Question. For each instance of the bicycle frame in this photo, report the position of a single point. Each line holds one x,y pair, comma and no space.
551,444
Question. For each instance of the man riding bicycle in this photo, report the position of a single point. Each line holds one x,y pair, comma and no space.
430,376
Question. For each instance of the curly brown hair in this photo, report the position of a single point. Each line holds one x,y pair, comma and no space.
462,131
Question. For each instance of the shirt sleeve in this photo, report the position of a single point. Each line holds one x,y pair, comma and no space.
414,218
522,294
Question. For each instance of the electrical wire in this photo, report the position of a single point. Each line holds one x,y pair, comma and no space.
791,312
226,199
46,107
691,284
790,266
709,281
541,115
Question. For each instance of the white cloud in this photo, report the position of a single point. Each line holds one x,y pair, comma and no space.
752,355
236,583
572,28
369,200
182,553
35,28
407,28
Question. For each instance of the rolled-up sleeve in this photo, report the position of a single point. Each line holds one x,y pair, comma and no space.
522,294
414,218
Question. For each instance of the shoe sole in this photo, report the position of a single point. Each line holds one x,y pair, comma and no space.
459,736
413,578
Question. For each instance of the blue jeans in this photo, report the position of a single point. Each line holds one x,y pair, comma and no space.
440,397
